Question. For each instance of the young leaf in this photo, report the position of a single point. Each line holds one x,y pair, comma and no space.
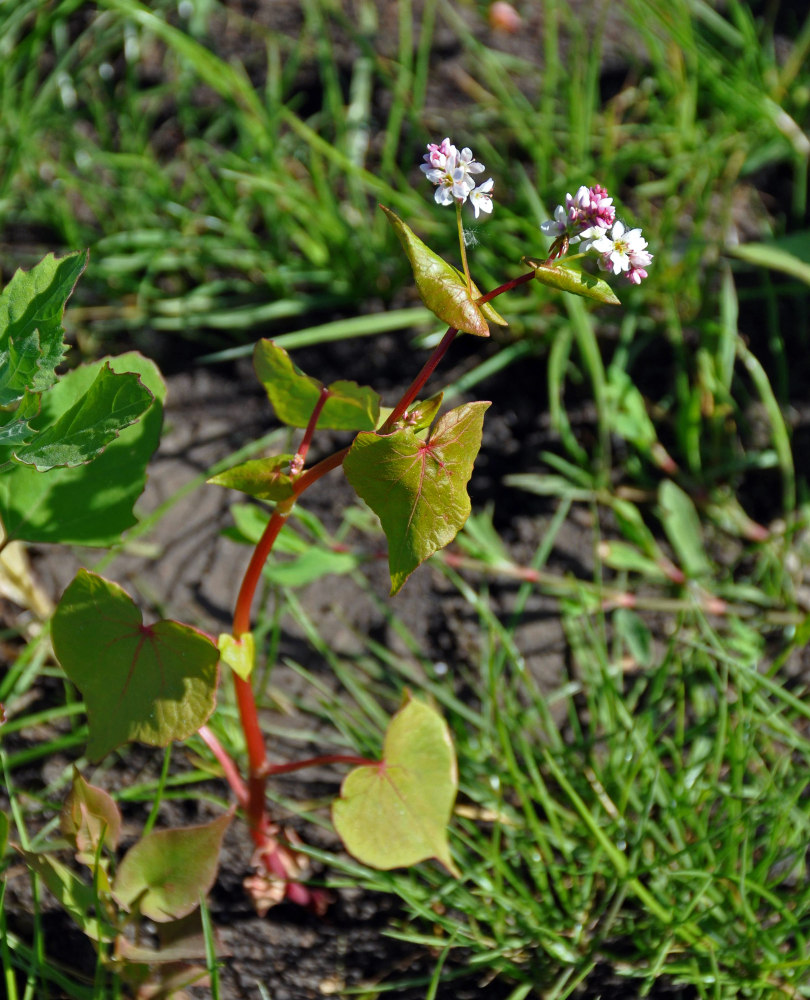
90,504
568,279
31,334
76,897
293,395
417,487
395,813
635,634
113,402
682,526
261,478
443,290
180,940
420,415
150,683
166,873
14,425
89,816
314,563
238,654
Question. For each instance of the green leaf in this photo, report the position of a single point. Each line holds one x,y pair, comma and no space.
261,478
636,635
395,813
442,288
627,558
89,816
568,279
311,565
628,411
682,526
294,395
790,255
113,402
180,940
239,654
76,897
90,504
165,874
417,487
250,520
31,334
4,828
150,683
15,427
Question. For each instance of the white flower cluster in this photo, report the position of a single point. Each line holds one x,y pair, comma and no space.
451,171
590,218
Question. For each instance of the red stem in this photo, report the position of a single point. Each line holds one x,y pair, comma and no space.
248,713
506,287
329,758
306,479
303,448
413,390
232,774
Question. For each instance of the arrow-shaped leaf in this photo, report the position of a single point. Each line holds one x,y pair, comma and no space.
395,813
443,290
294,395
417,487
568,279
261,478
150,683
166,873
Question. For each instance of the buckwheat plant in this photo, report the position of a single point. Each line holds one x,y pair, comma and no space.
89,434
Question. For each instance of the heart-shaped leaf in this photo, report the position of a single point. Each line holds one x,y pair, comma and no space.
90,504
166,873
31,334
417,487
442,288
395,813
261,478
568,279
238,654
294,395
89,816
150,683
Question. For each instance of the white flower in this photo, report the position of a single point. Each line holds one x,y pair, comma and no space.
463,166
615,247
452,173
436,156
481,197
580,203
557,225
